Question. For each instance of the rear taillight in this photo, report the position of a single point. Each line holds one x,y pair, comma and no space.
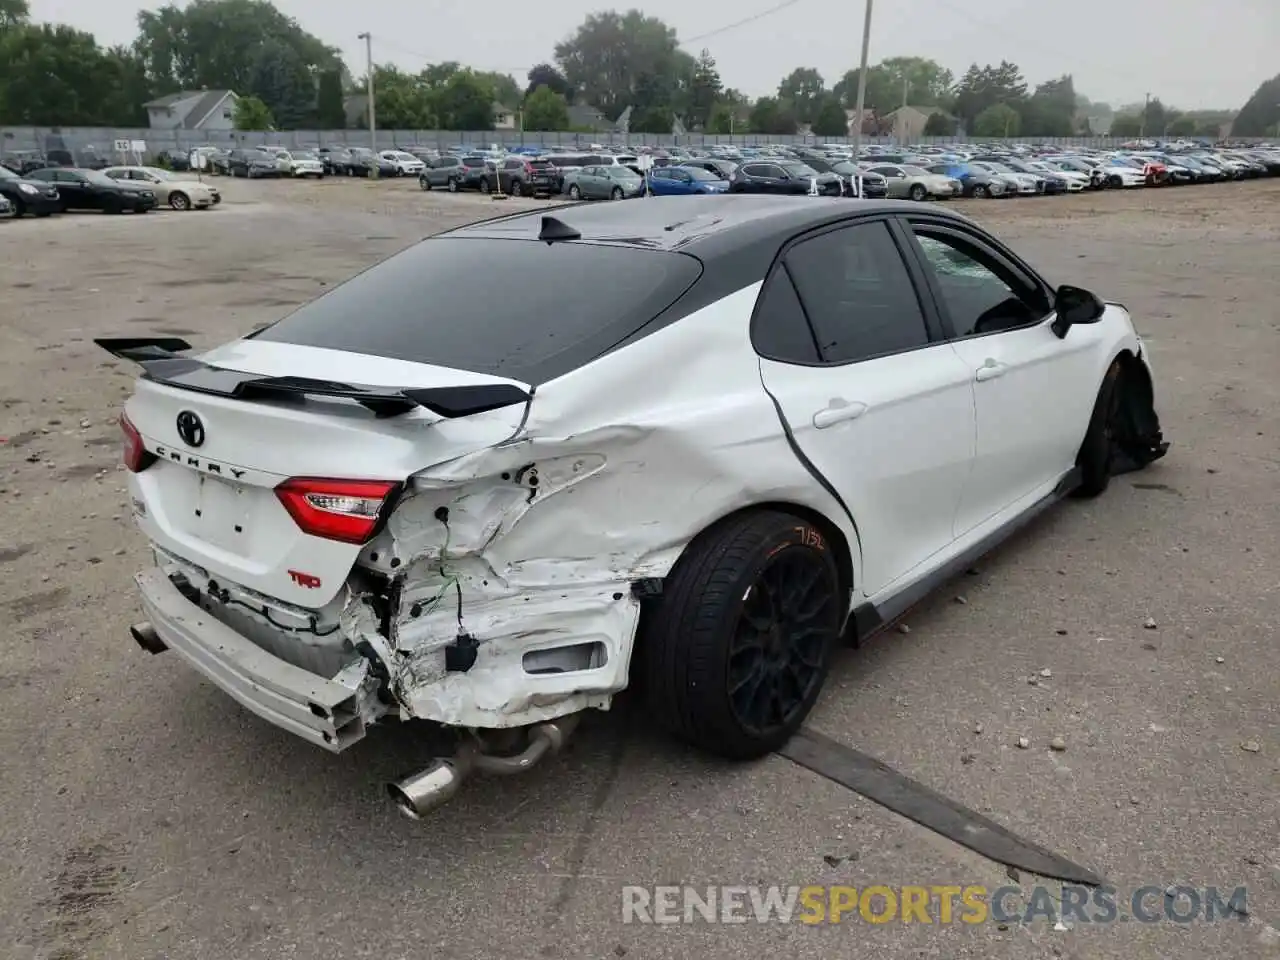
136,456
343,510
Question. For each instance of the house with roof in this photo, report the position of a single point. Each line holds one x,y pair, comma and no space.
583,116
907,123
193,110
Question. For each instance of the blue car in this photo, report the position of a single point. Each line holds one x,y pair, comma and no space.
684,182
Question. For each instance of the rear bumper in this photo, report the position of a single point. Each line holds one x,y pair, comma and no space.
329,713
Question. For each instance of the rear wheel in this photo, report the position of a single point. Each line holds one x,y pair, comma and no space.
615,193
918,192
517,188
980,190
484,184
735,656
453,184
424,183
574,192
179,201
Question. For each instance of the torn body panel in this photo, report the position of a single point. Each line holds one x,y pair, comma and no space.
514,563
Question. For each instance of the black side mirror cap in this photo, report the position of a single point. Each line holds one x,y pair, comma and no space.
1075,305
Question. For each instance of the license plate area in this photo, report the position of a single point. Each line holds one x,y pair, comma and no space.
220,513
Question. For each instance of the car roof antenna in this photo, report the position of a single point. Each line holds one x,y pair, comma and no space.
553,230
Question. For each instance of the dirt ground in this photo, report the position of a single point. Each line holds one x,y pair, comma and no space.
145,815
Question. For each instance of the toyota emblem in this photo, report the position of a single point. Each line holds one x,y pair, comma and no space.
190,429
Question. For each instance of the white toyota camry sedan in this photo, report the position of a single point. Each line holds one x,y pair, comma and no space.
689,444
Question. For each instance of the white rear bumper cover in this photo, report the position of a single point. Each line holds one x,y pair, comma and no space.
330,713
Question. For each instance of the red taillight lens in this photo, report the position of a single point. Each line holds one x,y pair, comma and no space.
136,456
343,510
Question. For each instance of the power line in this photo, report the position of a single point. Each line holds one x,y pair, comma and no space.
696,38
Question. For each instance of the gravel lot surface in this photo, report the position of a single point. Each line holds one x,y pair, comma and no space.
145,815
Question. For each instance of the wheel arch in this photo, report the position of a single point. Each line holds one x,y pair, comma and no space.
847,559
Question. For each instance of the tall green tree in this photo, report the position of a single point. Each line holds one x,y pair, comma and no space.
704,91
1051,110
405,101
252,114
984,87
330,112
1125,125
545,75
998,120
282,81
771,116
219,43
615,60
1260,115
544,109
805,90
13,13
465,102
56,75
505,89
831,120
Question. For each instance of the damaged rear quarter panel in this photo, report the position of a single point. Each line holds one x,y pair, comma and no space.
531,546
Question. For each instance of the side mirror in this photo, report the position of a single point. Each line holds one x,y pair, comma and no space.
1075,305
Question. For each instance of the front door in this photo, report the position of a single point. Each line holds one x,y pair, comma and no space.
881,408
1033,392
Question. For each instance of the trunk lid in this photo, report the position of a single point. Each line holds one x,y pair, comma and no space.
210,496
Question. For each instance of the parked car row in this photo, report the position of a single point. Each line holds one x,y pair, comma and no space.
124,189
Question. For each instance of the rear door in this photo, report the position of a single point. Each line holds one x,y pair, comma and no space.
879,405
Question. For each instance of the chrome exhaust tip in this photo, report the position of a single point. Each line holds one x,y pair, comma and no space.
417,795
436,784
144,634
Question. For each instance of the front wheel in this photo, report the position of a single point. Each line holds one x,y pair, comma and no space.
1094,458
615,193
424,183
517,188
179,201
574,192
981,191
735,656
484,184
918,192
453,185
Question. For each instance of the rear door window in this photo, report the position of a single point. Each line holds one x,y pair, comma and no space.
858,294
441,302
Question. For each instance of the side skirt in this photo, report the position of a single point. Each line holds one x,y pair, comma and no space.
868,618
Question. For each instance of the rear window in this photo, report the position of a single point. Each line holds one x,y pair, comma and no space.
442,302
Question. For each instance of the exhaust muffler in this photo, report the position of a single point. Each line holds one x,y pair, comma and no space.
436,784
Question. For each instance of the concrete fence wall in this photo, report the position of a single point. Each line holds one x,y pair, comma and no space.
100,139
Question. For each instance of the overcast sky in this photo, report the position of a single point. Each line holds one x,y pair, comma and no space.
1190,54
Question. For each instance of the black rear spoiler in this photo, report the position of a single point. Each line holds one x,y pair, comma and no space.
160,361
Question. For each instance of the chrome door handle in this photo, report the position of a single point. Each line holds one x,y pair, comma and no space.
838,412
990,370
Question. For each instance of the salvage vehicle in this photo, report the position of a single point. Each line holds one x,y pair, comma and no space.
94,190
176,190
681,181
459,516
28,196
916,183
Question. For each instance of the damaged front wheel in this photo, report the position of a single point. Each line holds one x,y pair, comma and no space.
736,655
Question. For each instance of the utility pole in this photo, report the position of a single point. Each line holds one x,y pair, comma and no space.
373,125
862,83
1142,126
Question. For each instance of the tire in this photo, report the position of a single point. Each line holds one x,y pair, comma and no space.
700,635
615,193
574,192
1114,182
19,208
179,200
1094,458
981,191
918,192
484,184
453,184
424,183
517,188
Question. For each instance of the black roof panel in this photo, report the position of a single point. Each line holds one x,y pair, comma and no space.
686,223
